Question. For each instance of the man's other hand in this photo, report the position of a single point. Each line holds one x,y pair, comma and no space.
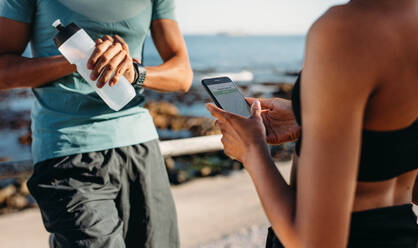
111,55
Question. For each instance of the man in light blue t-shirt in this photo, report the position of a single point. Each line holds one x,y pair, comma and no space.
99,178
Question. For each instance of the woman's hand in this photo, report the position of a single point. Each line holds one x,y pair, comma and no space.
279,120
111,55
240,135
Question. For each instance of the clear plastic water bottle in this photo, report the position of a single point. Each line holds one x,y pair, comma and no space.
77,46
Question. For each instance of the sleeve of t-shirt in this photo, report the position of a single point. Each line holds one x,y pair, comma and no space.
18,10
163,9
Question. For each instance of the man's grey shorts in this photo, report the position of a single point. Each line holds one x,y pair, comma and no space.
114,198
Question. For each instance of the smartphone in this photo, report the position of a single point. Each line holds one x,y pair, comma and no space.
226,95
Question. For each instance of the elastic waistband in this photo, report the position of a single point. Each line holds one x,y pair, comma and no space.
399,210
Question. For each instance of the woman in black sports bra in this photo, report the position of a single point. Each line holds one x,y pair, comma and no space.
356,107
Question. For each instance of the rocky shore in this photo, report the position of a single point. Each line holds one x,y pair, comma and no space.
166,117
14,196
166,110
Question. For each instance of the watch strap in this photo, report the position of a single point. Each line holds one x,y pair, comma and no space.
140,74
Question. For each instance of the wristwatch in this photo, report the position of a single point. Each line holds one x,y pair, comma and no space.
140,74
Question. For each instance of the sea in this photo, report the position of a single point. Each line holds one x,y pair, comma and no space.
245,59
250,59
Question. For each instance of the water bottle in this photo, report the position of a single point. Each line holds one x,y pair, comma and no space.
77,46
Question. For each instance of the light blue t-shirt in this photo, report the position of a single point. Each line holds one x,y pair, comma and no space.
68,117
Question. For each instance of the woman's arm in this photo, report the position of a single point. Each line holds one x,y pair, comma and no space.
175,74
20,72
336,83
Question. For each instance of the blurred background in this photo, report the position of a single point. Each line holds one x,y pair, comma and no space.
260,46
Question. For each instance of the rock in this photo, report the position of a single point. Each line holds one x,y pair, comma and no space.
14,120
182,177
205,171
26,139
162,108
17,202
201,126
23,190
165,116
4,159
236,165
283,152
160,121
6,182
178,123
15,197
170,163
31,202
284,90
292,73
6,192
257,95
243,87
20,123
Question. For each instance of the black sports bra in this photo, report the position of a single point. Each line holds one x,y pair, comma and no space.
384,154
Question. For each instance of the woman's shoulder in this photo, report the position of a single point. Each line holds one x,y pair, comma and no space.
340,47
357,24
350,35
344,24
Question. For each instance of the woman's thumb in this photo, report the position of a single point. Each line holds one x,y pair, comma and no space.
256,109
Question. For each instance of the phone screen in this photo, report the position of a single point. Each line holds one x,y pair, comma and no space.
230,99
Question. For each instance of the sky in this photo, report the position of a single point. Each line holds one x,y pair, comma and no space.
250,16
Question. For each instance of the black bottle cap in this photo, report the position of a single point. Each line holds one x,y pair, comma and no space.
64,33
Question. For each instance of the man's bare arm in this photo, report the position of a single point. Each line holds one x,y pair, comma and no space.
20,72
175,74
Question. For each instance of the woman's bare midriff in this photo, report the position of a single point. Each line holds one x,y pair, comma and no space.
392,192
371,195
